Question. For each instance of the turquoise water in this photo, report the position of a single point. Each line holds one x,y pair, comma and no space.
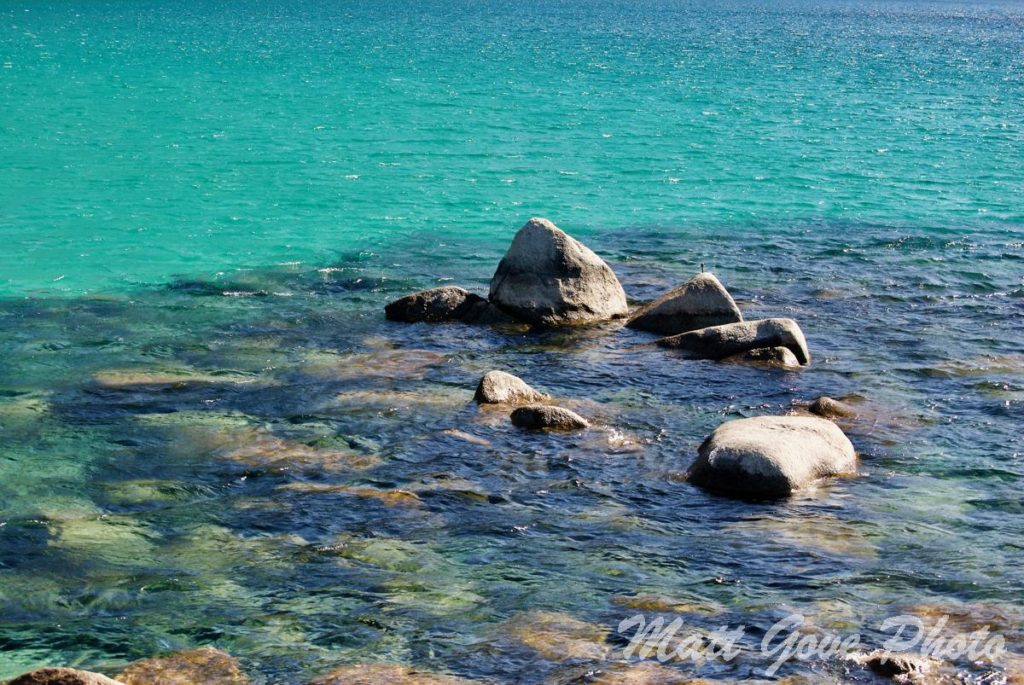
146,139
210,435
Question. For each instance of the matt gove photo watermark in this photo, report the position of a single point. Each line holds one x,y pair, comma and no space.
793,638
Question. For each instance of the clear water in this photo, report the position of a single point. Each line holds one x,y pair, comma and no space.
233,191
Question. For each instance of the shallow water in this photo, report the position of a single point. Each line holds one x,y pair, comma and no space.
139,518
210,435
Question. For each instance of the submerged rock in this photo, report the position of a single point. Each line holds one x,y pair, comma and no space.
558,637
700,302
772,456
385,674
62,676
498,387
641,673
778,357
832,409
544,417
203,666
719,342
551,279
447,303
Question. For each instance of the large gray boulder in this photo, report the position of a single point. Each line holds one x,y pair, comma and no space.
700,302
62,676
719,342
546,417
447,303
768,457
498,387
551,279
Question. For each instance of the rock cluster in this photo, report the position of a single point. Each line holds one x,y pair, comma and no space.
546,278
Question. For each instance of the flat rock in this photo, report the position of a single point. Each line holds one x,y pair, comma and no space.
719,342
447,303
776,357
772,456
385,674
62,676
498,387
551,279
203,666
700,302
545,417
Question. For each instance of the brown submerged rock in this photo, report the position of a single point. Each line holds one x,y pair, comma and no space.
385,674
772,456
549,278
700,302
203,666
62,676
558,637
498,387
544,417
719,342
641,673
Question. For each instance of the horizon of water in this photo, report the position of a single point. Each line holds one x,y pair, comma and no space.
209,435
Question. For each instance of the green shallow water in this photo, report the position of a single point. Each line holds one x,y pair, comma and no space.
210,435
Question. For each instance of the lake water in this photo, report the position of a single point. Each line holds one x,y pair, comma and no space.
229,193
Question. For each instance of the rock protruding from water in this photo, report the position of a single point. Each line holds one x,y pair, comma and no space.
769,457
206,665
551,279
498,387
719,342
775,357
62,676
700,302
900,667
447,303
830,408
545,417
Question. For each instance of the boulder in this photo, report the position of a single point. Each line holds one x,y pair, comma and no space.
545,417
700,302
62,676
205,666
549,278
498,387
447,303
832,409
769,457
778,357
719,342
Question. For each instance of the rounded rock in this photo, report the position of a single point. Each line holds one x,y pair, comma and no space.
544,417
770,457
